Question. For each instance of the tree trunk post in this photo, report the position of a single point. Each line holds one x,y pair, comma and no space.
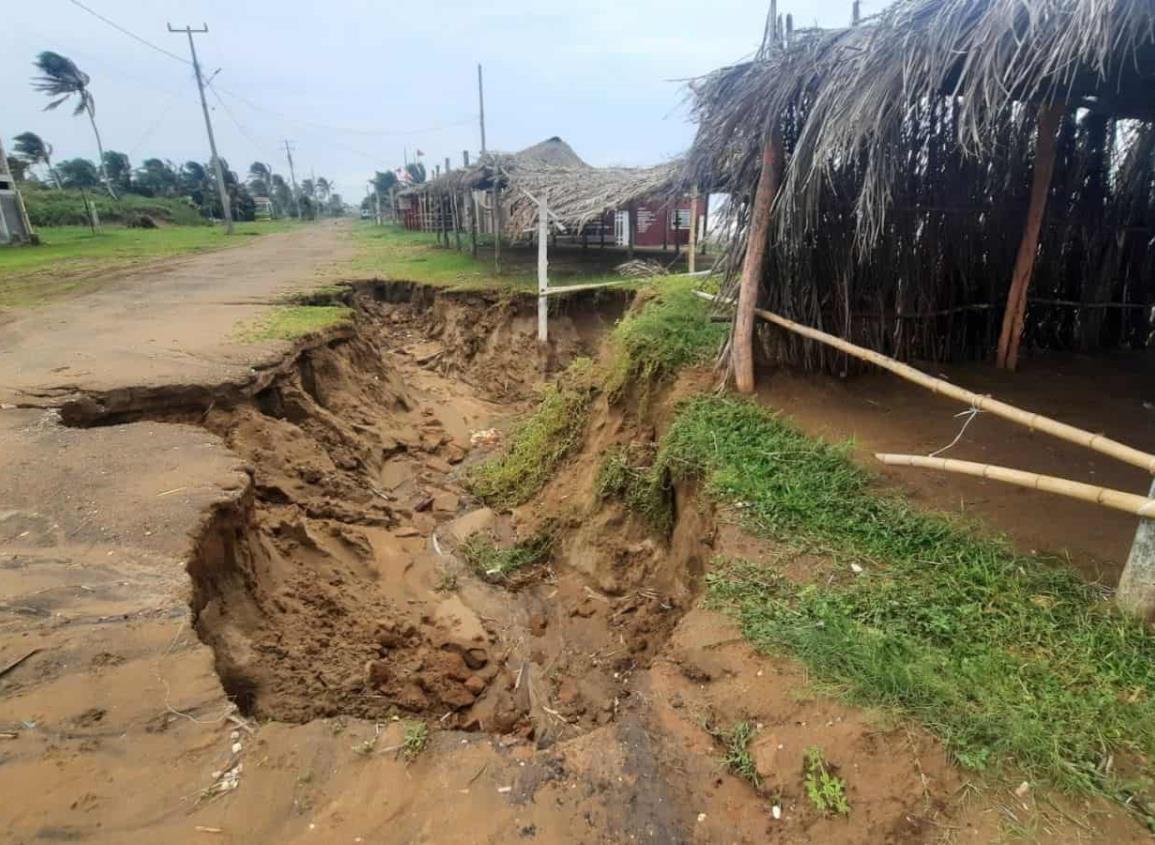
631,227
1136,593
1015,313
757,243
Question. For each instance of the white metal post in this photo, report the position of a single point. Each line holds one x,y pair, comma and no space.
1136,592
542,271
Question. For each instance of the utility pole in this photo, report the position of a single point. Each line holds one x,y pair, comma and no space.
481,106
217,169
293,179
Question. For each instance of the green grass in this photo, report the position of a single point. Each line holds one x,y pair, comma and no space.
671,330
1009,658
540,443
495,563
395,254
826,791
71,260
628,474
49,207
288,322
737,759
415,740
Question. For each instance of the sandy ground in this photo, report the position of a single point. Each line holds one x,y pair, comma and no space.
318,523
162,324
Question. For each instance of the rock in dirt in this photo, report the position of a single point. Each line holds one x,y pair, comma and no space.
438,465
475,684
446,502
468,524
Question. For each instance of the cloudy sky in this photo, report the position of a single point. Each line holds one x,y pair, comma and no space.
354,84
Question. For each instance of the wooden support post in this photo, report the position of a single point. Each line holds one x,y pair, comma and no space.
757,243
631,226
666,231
1013,317
692,243
497,221
542,272
705,221
473,212
602,231
457,224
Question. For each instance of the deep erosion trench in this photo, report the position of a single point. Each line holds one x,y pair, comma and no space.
335,586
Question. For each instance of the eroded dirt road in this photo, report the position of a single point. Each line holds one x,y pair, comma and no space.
223,611
163,324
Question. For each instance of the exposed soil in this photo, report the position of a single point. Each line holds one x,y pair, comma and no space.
579,702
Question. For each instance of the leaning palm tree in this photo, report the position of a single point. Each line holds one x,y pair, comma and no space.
35,150
61,78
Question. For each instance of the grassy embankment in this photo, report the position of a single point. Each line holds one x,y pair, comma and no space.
1013,662
392,253
70,260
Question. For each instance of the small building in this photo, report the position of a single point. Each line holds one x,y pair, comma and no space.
14,225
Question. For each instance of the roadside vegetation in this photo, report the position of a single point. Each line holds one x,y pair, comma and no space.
393,253
1009,658
540,443
496,563
289,322
71,260
48,207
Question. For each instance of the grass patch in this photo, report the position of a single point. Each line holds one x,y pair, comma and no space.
289,322
1009,658
671,330
737,759
826,791
416,738
49,207
70,260
629,475
540,443
392,253
495,563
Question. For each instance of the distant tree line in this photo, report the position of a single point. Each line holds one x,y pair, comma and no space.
260,192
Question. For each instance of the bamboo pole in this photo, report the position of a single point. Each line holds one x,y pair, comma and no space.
757,243
542,272
1012,331
1033,421
1117,499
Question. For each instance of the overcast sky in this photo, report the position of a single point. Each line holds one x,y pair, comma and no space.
354,83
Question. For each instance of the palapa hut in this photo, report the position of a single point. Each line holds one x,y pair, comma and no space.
946,178
577,194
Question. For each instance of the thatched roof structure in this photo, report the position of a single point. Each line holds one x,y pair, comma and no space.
909,143
575,192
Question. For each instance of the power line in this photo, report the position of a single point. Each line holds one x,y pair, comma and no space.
129,33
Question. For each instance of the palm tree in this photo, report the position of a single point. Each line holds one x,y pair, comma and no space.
35,150
61,78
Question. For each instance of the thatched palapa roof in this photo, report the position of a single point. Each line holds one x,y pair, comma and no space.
909,143
575,192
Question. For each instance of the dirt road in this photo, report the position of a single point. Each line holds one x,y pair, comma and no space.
168,323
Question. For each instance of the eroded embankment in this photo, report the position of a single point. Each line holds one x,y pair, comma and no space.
334,585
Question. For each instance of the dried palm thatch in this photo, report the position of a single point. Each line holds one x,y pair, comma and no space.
575,192
910,143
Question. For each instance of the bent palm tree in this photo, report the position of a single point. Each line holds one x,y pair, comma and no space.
35,150
61,79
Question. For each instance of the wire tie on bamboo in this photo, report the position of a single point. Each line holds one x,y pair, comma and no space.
970,415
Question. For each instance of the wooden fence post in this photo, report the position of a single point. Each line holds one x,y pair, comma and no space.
757,243
692,243
1012,331
542,271
1136,592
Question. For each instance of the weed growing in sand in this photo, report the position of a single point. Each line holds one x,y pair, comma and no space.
737,760
288,322
447,582
540,443
416,737
1009,658
495,563
826,791
671,329
624,475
